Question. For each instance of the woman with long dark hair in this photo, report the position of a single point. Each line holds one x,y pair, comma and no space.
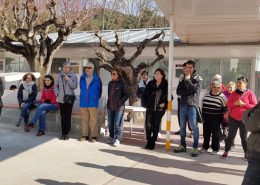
117,96
48,103
155,101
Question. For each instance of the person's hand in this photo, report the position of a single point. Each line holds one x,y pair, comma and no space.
162,105
66,77
241,103
187,77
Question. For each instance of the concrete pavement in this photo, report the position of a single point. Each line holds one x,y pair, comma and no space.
27,160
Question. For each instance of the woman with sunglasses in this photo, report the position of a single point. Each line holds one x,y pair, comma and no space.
117,96
239,101
65,85
26,96
47,103
155,102
213,108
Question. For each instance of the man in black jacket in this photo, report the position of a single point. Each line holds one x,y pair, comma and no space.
189,91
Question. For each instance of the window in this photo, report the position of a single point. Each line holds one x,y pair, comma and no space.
16,64
57,64
234,68
207,68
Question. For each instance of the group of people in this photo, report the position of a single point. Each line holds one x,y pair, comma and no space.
54,96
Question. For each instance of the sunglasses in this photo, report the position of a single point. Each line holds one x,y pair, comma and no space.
113,74
88,67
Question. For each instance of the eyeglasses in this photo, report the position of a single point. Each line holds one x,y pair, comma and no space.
113,74
216,87
88,67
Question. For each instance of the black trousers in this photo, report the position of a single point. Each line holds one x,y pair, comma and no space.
152,125
211,128
232,132
65,114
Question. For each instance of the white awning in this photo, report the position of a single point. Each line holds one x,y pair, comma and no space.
214,21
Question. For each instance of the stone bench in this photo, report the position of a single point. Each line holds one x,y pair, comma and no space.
11,113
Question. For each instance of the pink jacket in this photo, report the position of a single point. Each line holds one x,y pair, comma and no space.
236,112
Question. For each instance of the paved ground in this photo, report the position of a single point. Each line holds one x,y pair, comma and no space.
27,160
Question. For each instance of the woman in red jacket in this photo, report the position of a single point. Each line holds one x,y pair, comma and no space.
48,103
239,101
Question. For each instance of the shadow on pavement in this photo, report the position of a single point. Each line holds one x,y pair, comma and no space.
53,182
173,163
14,141
145,176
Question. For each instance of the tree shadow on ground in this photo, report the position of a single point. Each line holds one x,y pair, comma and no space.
53,182
174,163
14,141
145,176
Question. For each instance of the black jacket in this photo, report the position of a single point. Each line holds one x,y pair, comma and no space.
117,95
154,96
31,98
189,90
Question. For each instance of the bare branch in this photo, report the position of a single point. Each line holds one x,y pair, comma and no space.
104,44
102,57
9,46
142,45
159,56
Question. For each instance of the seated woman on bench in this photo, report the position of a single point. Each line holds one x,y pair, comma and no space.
48,103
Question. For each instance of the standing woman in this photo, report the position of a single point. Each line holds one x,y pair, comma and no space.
47,103
117,96
26,96
65,85
240,100
155,100
213,108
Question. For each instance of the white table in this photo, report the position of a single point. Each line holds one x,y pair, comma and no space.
133,109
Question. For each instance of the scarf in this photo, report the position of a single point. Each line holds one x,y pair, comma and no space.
27,91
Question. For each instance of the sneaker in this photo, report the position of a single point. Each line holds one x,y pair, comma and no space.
83,138
40,133
110,140
180,149
116,143
66,137
19,121
214,152
194,152
177,133
224,155
93,140
203,150
159,135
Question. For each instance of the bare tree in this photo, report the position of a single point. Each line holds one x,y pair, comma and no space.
130,73
25,25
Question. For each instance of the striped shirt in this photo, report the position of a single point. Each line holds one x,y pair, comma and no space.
214,104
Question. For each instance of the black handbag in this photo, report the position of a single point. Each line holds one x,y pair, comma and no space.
199,115
69,99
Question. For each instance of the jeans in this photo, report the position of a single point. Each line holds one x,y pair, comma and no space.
115,119
40,114
65,114
25,113
252,175
188,112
